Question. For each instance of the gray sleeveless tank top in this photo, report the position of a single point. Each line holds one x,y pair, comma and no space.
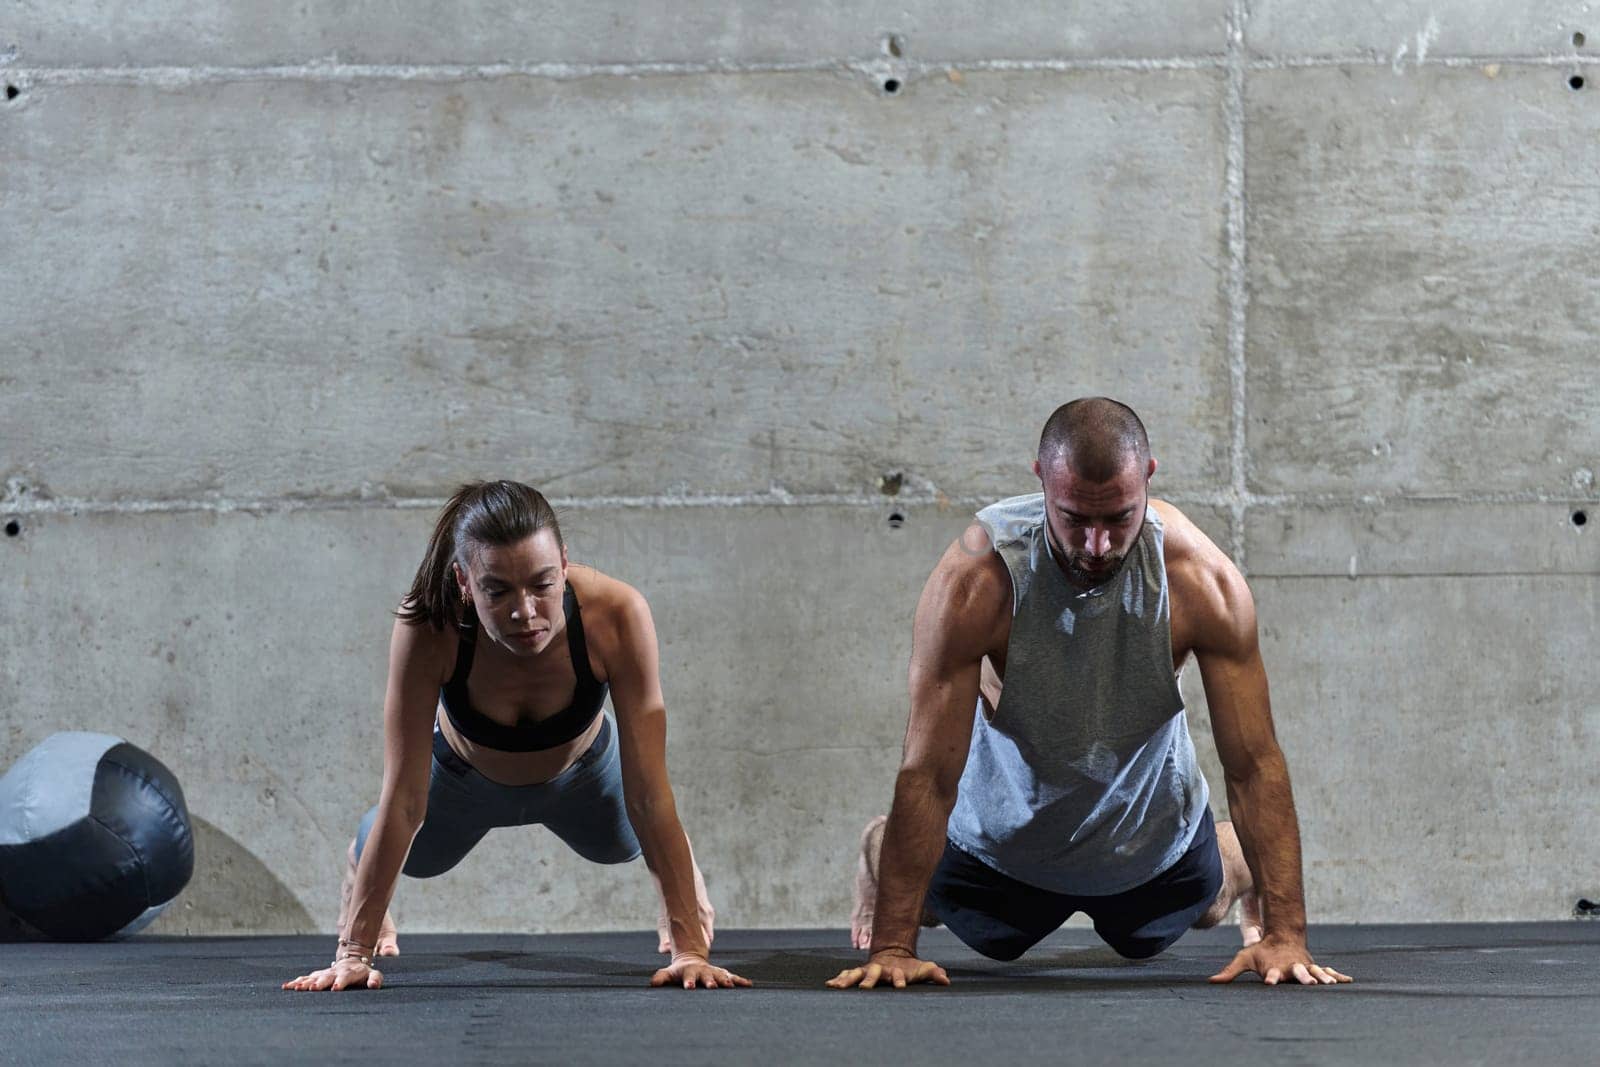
1084,781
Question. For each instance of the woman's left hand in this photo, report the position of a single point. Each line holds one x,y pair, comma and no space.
694,970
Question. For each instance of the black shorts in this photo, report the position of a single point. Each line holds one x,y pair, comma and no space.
1002,918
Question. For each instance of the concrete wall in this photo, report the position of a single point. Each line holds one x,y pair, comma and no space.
278,277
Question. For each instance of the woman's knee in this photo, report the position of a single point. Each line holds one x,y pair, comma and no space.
610,853
429,866
438,848
363,831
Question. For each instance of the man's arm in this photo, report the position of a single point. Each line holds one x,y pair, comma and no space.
963,607
1260,800
1257,777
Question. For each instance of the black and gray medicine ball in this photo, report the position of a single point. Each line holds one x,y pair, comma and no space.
95,838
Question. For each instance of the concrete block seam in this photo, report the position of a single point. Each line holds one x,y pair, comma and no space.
1237,278
175,77
1404,63
1415,575
178,77
1223,498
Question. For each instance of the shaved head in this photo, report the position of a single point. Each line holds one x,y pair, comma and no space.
1096,437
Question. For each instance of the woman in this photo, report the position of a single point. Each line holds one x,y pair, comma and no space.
492,634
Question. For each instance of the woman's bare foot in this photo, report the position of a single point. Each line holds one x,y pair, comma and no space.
388,936
866,888
708,914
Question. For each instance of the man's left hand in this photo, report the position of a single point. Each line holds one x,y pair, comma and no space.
1278,958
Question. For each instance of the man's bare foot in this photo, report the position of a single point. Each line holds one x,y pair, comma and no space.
866,888
708,914
1250,918
388,936
1238,885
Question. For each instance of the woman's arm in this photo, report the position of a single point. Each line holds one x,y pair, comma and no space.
633,669
416,669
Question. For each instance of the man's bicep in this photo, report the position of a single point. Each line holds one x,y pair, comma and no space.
953,631
940,729
1235,680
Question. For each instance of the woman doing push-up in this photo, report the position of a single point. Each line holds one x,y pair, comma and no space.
499,665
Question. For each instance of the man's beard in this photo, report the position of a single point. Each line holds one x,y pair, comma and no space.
1081,577
1085,578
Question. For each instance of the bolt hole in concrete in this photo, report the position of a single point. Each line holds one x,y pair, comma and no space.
889,484
1578,39
891,85
1579,518
13,528
896,520
12,92
894,45
1576,81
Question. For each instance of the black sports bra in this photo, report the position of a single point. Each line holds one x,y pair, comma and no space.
526,736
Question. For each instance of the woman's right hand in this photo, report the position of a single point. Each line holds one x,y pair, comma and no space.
341,974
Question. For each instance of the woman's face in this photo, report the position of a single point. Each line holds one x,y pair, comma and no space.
517,590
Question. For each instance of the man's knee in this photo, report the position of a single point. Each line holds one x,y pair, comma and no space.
1003,950
995,944
1139,949
1140,943
1214,914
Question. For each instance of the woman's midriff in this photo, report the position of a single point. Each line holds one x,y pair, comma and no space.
518,768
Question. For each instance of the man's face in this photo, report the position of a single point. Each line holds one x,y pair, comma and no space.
1093,525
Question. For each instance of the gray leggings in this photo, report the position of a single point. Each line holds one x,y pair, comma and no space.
582,805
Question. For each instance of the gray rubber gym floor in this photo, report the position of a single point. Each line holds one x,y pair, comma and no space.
1424,994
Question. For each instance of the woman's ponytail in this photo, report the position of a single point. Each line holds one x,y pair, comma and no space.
479,513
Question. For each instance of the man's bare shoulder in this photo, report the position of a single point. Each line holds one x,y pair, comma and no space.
969,592
1206,585
1185,542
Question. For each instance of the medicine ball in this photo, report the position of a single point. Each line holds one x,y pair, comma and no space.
95,838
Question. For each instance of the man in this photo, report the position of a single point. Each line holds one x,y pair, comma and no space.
1048,767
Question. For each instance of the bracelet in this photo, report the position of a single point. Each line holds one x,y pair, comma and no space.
364,957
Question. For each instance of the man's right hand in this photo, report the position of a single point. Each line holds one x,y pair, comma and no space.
343,974
894,966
